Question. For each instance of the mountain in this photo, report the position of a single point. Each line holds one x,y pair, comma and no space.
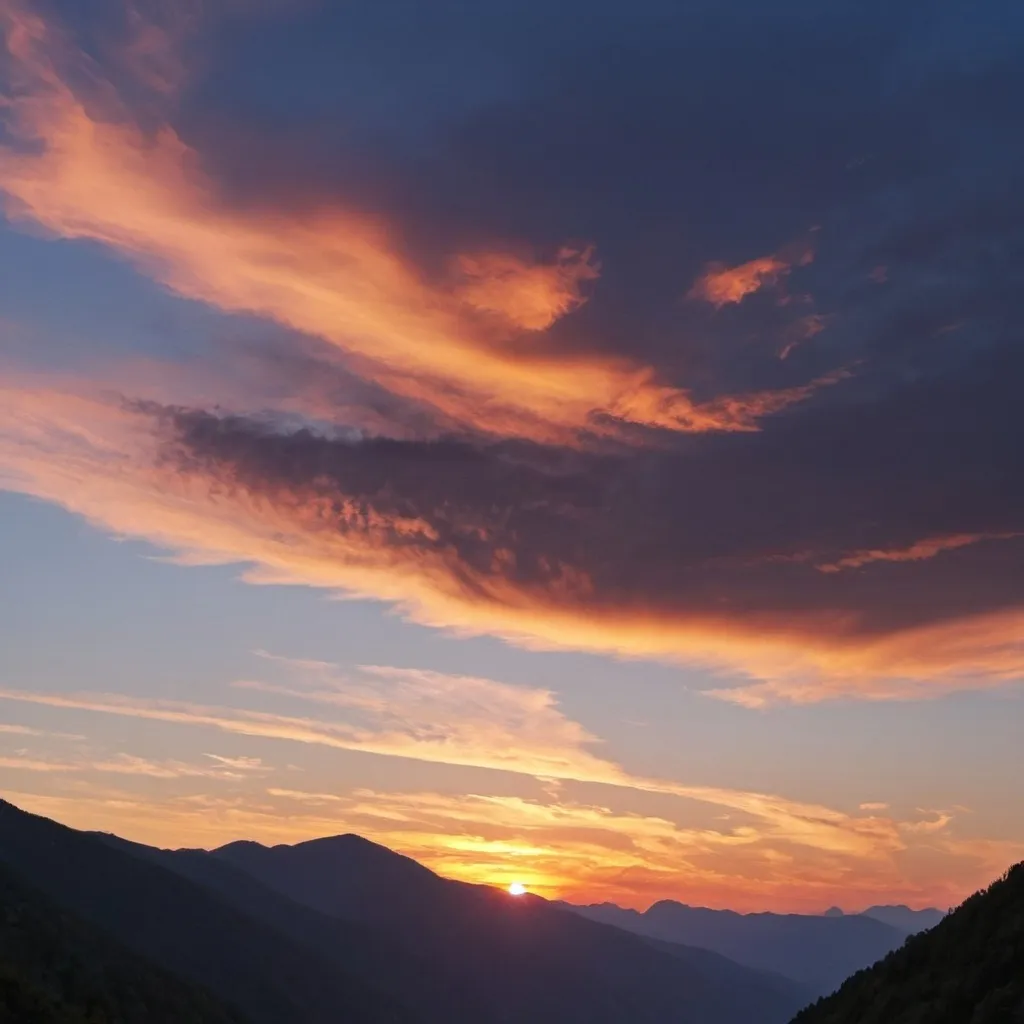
817,951
318,932
525,958
905,919
56,969
186,929
384,962
415,977
968,969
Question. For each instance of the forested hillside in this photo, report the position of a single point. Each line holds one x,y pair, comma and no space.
969,969
55,969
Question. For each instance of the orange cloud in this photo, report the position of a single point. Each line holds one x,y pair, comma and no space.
106,462
916,552
569,848
976,652
333,273
572,849
721,285
531,296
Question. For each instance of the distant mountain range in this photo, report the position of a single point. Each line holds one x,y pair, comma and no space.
907,920
818,951
341,929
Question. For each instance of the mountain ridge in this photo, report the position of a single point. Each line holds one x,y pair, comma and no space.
475,953
818,951
519,945
182,927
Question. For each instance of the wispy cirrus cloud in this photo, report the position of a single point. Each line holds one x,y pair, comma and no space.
452,719
128,764
238,764
928,547
34,764
478,723
10,729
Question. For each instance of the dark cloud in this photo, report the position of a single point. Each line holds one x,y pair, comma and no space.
866,156
671,136
736,526
668,136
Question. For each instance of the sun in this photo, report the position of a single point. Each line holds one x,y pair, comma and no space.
517,889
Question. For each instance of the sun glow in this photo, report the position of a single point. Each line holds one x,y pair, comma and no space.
517,889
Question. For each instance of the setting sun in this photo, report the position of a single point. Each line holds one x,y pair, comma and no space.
517,889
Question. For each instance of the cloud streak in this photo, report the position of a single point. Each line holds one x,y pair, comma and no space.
123,764
477,723
916,552
577,840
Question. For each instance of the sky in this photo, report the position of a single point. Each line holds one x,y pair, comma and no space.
576,444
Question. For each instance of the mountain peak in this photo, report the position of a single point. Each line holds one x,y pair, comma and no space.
346,844
342,841
241,844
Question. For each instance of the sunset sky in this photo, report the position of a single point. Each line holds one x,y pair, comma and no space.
577,443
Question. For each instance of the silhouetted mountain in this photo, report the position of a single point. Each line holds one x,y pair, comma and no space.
385,962
523,957
317,932
56,969
722,969
817,951
186,929
968,969
905,919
